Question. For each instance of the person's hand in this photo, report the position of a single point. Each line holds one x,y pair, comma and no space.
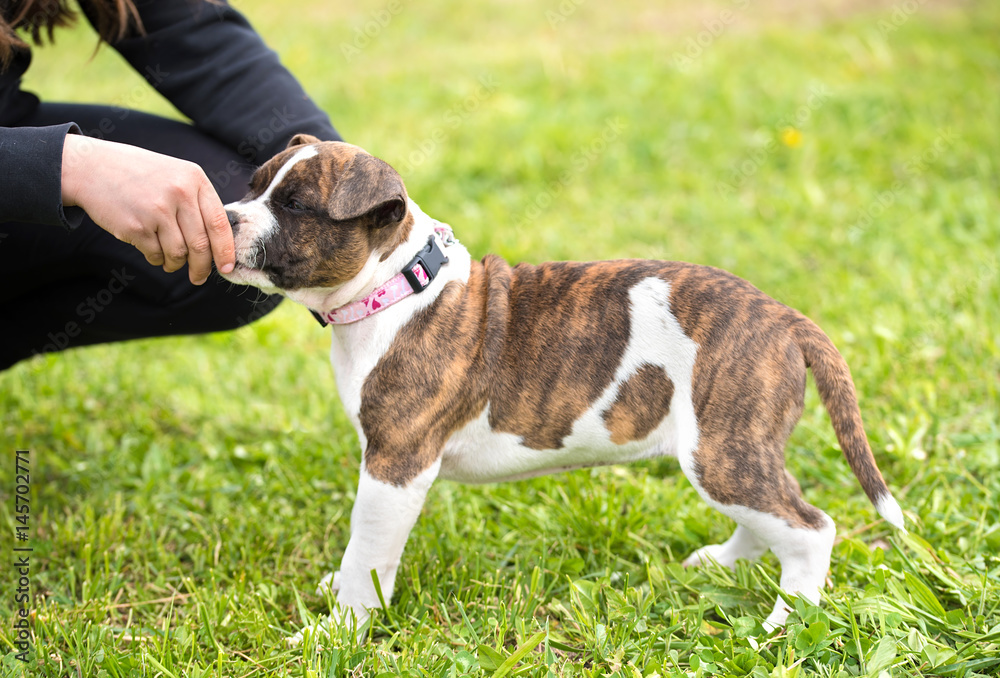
163,206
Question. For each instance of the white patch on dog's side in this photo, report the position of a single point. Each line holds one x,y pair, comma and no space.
476,454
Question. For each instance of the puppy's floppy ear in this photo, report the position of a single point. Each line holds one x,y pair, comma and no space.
301,140
369,186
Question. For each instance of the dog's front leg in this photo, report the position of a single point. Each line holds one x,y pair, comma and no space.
381,520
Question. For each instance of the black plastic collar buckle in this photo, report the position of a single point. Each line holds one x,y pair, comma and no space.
431,259
319,318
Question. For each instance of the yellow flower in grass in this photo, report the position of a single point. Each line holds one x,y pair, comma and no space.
791,137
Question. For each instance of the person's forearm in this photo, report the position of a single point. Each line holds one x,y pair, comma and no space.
31,174
75,148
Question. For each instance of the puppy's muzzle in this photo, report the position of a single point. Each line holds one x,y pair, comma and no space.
234,221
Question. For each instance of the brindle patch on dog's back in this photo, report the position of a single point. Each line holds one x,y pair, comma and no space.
537,344
569,324
748,389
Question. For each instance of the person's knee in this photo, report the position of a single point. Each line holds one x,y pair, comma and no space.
253,311
216,306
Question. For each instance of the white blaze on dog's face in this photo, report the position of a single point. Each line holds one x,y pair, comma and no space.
318,215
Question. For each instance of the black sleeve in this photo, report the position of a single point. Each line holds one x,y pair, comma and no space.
207,60
31,176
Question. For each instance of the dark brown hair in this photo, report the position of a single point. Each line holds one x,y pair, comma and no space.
40,18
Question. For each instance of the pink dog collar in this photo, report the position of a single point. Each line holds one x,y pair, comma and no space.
415,277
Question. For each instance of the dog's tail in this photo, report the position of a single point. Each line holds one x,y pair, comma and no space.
836,389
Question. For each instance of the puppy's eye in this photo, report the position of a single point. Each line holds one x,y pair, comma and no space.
295,206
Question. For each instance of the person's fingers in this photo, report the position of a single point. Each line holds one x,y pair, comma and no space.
199,247
175,249
164,206
144,240
220,233
152,251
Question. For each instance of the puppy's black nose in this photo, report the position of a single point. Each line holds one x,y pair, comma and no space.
234,220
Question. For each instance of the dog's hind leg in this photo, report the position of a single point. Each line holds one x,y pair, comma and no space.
804,553
755,490
742,545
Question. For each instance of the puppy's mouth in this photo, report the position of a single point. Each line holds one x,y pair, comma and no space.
247,270
241,270
250,258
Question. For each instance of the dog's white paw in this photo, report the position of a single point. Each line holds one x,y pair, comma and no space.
343,616
319,631
329,583
778,616
713,553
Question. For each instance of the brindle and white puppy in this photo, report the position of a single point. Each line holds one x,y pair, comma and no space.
498,373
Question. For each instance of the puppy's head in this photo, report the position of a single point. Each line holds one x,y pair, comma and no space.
316,214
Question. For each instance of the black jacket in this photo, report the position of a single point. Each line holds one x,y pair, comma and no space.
205,58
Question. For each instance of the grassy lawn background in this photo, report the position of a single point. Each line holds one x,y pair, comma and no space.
189,493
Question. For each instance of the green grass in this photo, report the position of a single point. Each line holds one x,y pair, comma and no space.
189,493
